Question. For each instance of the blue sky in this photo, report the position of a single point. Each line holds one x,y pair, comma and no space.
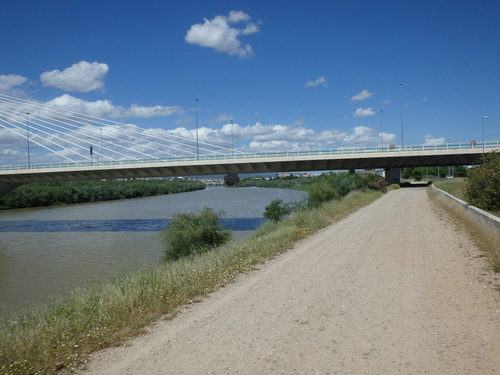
290,74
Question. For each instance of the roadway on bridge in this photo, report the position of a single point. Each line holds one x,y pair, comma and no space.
392,289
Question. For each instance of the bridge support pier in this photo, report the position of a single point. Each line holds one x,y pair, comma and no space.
393,175
6,187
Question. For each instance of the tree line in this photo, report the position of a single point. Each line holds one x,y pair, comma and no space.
40,194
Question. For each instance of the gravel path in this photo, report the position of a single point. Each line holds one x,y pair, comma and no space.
392,289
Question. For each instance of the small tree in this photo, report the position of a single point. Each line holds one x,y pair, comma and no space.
277,210
191,233
231,179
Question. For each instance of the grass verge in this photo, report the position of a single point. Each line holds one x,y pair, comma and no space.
65,333
483,239
454,187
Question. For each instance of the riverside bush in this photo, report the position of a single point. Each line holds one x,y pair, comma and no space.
331,185
277,209
483,184
188,234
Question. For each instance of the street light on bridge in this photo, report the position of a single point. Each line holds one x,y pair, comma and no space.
483,118
197,149
28,138
232,138
382,126
401,100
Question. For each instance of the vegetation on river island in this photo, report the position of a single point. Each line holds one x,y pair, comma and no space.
39,194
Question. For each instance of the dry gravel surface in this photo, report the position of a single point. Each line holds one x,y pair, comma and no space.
394,288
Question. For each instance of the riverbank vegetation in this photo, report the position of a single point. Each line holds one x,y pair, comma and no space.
190,233
323,187
40,194
65,333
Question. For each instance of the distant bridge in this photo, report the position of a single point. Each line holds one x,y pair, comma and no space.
390,159
54,144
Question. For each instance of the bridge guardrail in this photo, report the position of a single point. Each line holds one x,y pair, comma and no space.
260,155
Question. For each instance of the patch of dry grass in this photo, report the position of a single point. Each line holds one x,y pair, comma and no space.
482,237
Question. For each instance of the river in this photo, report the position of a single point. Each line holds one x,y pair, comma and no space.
46,252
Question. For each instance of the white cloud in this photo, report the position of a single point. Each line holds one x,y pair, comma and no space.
319,81
222,118
433,141
81,77
105,108
425,99
386,101
8,82
221,36
362,96
236,16
360,112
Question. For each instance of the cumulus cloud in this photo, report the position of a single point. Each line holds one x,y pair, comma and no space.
10,81
80,77
319,81
105,108
221,34
363,112
362,96
430,140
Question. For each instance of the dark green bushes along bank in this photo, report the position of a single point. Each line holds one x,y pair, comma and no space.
324,187
39,194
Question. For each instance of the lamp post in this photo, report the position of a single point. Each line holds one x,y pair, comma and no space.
401,101
197,149
483,118
102,155
382,126
232,138
28,138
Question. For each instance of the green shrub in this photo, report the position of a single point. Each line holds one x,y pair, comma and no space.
322,191
330,186
277,210
378,183
188,234
483,184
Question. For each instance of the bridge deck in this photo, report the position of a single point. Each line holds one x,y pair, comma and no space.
259,163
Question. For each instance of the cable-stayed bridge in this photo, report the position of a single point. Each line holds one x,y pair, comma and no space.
48,143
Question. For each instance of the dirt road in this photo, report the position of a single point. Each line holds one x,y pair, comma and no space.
392,289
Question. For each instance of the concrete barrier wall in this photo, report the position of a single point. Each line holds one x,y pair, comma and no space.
485,219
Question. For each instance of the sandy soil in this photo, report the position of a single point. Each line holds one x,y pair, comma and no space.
392,289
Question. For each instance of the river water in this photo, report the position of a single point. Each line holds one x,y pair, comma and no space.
45,252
